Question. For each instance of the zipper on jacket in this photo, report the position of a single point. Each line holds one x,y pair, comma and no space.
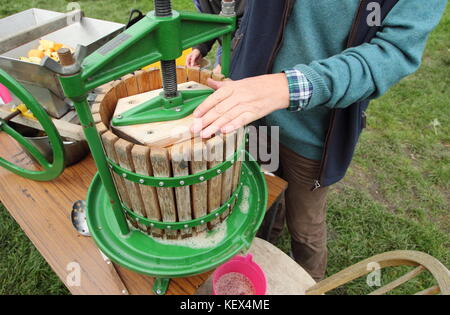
351,37
287,10
318,182
316,185
364,120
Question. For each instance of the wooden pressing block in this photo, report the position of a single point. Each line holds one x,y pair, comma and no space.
159,134
65,128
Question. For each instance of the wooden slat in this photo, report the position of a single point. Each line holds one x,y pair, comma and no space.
143,81
97,118
181,75
109,139
123,150
103,89
71,117
394,284
131,84
238,164
214,149
227,177
199,191
95,108
101,128
180,155
65,128
142,164
204,76
161,168
218,77
120,89
108,106
193,74
155,79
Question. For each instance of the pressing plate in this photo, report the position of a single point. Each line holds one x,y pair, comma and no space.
158,134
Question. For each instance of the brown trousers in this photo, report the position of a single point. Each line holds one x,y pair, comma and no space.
304,212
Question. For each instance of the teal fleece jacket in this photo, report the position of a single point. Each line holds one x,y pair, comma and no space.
315,43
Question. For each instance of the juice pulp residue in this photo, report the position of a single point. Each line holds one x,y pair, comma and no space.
234,283
202,240
245,204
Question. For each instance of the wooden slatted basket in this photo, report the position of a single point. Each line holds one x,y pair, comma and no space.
174,158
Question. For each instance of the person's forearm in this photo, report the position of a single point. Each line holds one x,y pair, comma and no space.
369,70
205,47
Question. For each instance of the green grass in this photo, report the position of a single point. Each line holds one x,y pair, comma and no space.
396,195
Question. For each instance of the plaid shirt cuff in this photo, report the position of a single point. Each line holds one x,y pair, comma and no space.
300,90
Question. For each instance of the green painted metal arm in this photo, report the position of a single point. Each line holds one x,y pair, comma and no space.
150,40
162,109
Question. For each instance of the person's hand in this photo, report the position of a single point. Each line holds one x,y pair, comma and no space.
194,58
217,69
238,103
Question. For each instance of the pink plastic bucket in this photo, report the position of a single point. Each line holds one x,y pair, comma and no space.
4,94
243,265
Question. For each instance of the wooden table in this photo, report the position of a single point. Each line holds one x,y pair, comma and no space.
43,212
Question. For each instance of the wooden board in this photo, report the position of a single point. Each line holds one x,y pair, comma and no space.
238,164
160,134
180,154
182,75
142,164
65,128
193,74
131,84
214,148
204,76
227,177
123,150
199,191
143,81
162,168
49,228
109,140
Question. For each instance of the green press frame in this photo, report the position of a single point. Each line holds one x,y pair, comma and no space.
152,39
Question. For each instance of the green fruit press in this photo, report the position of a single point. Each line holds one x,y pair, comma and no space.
162,35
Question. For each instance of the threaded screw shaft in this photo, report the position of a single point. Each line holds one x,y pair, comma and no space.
163,8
